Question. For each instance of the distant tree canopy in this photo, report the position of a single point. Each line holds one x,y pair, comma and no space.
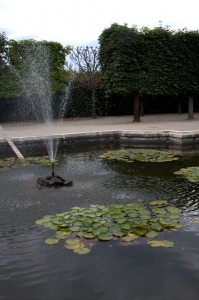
15,58
8,84
46,54
3,51
154,62
84,64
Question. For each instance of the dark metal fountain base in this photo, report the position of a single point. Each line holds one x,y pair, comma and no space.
53,180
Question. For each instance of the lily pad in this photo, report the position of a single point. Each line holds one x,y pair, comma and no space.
88,235
105,237
165,243
151,234
82,227
158,202
142,155
51,241
72,241
190,173
173,209
130,237
13,162
82,250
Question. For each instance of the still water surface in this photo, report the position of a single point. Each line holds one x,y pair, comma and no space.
32,270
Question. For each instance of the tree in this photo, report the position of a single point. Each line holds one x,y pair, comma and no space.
150,62
120,60
9,86
49,57
187,53
3,51
84,63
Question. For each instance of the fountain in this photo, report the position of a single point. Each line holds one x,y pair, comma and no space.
37,93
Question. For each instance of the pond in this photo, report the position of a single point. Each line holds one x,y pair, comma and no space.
31,269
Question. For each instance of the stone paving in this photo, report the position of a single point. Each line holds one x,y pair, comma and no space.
149,124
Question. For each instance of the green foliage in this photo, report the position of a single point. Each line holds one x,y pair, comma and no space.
190,173
13,162
3,51
165,243
49,56
9,84
82,227
151,62
143,155
119,58
158,72
187,56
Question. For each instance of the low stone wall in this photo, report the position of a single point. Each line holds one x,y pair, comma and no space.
107,139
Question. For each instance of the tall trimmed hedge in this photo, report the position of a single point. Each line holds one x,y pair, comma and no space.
149,62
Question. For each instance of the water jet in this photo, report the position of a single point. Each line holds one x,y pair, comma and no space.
38,96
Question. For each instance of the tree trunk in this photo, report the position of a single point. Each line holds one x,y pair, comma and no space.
94,104
141,107
179,107
190,108
136,108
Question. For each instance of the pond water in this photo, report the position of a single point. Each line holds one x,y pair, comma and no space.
30,269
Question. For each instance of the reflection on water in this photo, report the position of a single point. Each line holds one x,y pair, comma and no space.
31,270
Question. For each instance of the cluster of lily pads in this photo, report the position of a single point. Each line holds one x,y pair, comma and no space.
190,173
143,155
13,162
81,228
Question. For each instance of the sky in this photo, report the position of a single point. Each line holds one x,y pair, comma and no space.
80,22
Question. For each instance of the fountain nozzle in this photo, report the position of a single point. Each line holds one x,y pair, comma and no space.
53,168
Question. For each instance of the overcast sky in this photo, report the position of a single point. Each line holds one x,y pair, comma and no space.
80,22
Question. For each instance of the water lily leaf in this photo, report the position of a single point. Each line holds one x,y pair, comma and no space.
130,237
119,234
125,221
82,250
72,241
50,225
165,243
105,237
151,234
125,226
175,217
74,229
40,222
77,224
61,235
133,214
156,226
158,202
114,228
96,225
88,235
173,209
51,241
99,230
72,247
190,173
120,220
139,231
143,155
160,211
177,225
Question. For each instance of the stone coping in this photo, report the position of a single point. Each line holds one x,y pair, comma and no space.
109,133
176,140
